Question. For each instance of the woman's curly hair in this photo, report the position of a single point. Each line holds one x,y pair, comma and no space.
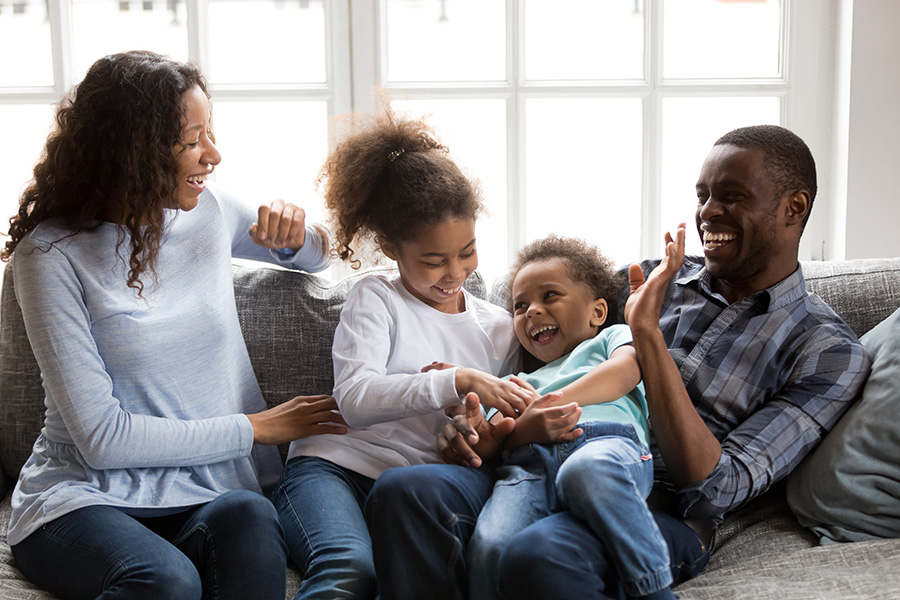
113,152
391,178
586,264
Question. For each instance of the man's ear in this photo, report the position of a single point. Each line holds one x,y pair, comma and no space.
798,206
599,313
388,248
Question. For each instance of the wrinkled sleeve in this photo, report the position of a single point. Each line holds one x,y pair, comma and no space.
363,342
78,386
771,442
240,215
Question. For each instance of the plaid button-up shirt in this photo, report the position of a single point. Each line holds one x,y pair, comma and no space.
770,375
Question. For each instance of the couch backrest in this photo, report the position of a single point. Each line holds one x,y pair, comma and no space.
288,320
863,292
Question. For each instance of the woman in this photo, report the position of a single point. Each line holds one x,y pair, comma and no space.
147,473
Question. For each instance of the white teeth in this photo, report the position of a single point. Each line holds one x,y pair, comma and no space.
535,333
449,292
716,240
197,178
718,237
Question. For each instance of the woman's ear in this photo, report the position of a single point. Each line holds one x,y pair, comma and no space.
599,313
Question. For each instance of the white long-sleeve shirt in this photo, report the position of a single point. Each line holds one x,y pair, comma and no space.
384,338
144,395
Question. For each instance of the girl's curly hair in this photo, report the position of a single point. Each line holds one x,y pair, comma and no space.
392,178
587,265
113,151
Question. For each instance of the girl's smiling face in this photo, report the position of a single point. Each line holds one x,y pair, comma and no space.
434,265
553,313
196,153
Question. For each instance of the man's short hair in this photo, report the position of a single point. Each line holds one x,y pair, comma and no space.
788,160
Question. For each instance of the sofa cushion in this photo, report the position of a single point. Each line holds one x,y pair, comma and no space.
849,489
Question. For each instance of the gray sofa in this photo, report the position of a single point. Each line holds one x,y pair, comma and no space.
289,319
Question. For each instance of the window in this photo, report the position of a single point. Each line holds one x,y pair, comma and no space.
271,66
583,117
603,111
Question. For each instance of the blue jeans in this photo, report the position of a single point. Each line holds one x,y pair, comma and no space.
603,478
560,557
421,519
231,547
321,509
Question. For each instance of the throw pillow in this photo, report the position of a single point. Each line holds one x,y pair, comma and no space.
848,489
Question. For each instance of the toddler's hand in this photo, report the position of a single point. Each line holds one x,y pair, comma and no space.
546,420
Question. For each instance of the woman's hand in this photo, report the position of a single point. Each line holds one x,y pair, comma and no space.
547,420
297,418
280,225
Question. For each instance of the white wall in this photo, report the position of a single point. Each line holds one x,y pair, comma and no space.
867,130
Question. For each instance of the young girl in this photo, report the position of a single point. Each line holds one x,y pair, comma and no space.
583,446
394,184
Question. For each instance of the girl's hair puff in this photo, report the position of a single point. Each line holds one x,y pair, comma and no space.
391,178
113,151
586,265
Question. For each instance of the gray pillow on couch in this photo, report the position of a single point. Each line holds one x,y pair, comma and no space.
848,489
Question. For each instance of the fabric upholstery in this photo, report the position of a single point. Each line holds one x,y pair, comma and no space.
848,490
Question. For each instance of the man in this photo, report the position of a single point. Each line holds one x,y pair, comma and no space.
744,371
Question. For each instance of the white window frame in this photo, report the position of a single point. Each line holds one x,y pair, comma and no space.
807,65
806,86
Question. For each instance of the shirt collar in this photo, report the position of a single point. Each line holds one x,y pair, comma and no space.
788,290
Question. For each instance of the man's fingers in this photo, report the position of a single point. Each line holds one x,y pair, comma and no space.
635,277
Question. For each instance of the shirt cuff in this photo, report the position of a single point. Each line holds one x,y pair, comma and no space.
310,257
704,498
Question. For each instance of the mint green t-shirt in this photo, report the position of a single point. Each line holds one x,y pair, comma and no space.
630,408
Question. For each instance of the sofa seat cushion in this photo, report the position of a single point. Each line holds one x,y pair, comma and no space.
763,553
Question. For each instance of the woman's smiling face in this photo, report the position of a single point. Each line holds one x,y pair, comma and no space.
196,153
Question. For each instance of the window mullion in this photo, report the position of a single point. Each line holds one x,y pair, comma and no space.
198,32
60,16
651,195
515,132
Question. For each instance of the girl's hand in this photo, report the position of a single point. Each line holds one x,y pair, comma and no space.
533,395
280,225
297,418
547,420
469,439
508,397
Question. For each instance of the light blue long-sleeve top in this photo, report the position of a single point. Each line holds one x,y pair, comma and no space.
144,396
